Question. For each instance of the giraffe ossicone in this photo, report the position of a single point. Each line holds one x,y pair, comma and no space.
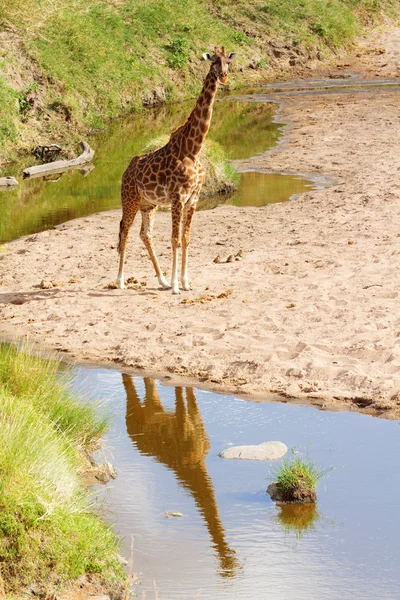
172,175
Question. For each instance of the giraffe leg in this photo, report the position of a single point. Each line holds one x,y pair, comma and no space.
177,211
188,213
130,206
148,215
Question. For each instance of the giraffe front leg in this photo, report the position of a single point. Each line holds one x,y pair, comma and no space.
176,210
148,215
187,226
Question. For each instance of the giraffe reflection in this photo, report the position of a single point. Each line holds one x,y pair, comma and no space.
179,441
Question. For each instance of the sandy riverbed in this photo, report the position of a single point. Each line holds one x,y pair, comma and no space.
312,310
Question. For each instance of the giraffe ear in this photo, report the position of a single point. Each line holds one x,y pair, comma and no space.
206,56
232,55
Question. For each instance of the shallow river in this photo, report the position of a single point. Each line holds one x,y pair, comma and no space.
232,540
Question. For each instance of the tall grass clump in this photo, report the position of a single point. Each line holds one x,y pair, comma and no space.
295,480
49,534
45,385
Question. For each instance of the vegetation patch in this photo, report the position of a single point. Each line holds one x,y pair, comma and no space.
49,533
69,65
295,481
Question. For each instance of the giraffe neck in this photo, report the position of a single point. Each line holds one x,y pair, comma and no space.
189,139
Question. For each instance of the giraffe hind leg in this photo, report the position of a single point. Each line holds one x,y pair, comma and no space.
130,206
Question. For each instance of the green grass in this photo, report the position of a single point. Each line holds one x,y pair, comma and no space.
97,59
49,533
297,473
8,112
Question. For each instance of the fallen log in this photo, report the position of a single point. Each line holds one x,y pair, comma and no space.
7,182
59,166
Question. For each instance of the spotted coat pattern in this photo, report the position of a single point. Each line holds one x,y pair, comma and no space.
172,175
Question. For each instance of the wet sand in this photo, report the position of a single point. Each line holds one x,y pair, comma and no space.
310,312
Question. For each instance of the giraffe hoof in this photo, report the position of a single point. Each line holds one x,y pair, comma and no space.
176,291
164,283
120,284
186,287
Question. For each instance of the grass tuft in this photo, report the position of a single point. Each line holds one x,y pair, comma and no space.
295,480
297,472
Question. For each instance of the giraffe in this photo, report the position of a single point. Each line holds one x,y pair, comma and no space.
172,175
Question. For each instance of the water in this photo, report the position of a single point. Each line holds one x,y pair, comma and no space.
243,130
232,540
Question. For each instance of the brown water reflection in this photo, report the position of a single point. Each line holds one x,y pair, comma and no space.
180,442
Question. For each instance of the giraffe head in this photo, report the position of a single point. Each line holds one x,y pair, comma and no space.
220,63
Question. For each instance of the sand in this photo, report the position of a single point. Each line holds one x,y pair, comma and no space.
311,312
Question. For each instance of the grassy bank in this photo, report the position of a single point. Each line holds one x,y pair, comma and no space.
49,535
67,65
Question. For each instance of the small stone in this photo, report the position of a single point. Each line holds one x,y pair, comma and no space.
105,472
46,285
264,451
239,254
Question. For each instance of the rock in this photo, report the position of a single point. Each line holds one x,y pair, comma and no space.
299,495
105,472
46,285
264,451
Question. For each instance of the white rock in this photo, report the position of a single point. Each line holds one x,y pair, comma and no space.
264,451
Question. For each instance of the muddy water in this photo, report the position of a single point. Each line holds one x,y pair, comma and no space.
231,540
242,129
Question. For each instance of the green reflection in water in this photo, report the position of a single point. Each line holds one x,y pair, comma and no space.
243,130
298,518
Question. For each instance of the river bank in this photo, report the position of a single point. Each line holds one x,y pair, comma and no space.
58,84
310,313
52,542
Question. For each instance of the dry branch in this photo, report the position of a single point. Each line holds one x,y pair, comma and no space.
61,165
